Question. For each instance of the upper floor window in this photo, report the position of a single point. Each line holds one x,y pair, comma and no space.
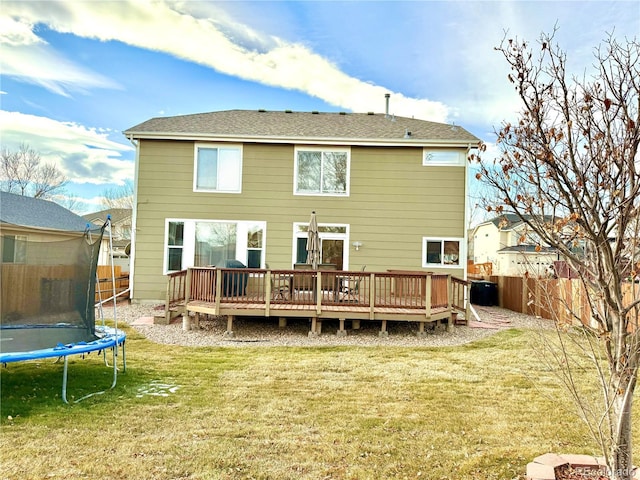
321,171
441,252
218,168
443,157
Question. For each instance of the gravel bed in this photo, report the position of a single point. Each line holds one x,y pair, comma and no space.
265,332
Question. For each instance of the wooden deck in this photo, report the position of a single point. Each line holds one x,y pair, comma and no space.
323,294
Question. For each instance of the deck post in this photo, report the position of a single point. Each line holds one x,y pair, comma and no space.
319,292
383,329
355,324
341,331
450,320
229,332
267,292
282,322
421,332
186,321
372,296
218,291
196,323
314,327
427,296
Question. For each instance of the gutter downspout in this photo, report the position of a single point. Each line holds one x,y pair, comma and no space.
134,218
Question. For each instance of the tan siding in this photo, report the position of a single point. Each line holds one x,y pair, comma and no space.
394,201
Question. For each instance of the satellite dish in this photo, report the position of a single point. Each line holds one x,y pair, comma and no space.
127,249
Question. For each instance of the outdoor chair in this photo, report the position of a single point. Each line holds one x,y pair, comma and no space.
279,286
350,288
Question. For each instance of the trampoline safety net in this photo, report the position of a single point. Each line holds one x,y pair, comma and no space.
48,292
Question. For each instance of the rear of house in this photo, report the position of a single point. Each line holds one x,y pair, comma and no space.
389,193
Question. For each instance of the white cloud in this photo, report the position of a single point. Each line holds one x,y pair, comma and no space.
15,33
31,59
216,43
84,155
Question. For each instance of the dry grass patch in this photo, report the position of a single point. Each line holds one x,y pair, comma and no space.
469,412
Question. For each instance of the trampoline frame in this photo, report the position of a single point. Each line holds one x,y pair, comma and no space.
108,338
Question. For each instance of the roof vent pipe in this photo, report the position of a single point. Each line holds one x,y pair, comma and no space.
386,111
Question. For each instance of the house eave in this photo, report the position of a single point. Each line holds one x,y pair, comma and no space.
36,229
386,142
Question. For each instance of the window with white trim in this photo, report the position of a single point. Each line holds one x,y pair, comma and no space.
14,248
442,157
201,243
175,245
321,171
441,252
218,168
333,240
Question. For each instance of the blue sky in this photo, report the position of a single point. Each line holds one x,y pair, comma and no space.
75,74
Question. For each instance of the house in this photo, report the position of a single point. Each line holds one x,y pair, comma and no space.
389,192
503,241
26,219
121,221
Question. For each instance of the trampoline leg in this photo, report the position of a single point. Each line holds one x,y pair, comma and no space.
115,366
64,380
124,359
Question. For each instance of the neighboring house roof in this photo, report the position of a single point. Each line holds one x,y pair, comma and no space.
509,221
282,126
527,249
117,215
32,212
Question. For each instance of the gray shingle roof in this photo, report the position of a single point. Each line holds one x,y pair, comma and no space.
528,249
302,125
117,214
32,212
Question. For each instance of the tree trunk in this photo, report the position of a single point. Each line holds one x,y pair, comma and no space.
620,461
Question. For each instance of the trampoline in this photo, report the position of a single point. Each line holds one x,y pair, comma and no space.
49,305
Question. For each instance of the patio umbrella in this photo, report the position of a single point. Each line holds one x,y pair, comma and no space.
313,243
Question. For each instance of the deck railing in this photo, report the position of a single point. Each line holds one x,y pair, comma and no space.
415,290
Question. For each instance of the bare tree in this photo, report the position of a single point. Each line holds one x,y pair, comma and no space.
569,167
119,197
24,173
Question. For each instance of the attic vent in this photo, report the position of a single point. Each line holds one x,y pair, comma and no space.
262,110
343,113
288,111
315,112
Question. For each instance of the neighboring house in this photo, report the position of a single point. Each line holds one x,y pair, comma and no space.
389,192
503,242
121,221
27,219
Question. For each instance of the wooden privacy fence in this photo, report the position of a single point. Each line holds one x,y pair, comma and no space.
561,299
106,283
26,287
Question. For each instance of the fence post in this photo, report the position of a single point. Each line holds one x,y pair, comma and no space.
524,308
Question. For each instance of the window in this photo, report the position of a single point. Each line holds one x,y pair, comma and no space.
175,243
202,243
218,168
321,172
255,234
215,243
442,252
442,157
333,238
14,249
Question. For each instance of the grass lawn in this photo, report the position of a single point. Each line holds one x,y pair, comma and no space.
480,411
